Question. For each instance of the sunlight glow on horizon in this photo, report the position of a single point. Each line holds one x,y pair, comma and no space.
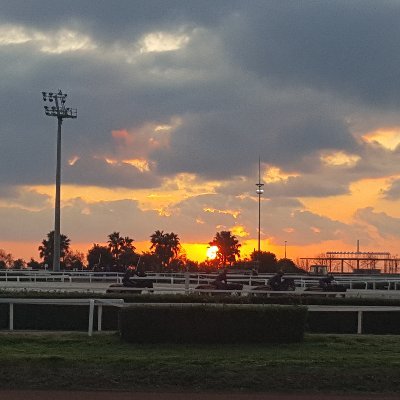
198,251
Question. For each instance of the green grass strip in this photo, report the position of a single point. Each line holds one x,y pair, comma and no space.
329,363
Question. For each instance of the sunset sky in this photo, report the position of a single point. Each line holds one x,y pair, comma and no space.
178,99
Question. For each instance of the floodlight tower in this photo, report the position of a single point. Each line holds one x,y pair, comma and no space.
259,191
60,111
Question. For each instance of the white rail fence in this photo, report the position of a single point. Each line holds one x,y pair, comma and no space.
91,303
358,309
99,282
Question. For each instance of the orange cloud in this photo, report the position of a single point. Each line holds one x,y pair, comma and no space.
363,193
141,164
122,136
339,159
387,137
234,213
239,230
275,174
138,141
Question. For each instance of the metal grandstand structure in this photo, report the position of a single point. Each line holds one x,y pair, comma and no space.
355,262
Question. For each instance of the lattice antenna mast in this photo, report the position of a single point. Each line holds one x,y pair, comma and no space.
259,191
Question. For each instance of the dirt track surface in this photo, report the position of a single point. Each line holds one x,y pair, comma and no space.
80,395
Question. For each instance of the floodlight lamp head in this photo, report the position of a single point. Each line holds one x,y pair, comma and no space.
260,191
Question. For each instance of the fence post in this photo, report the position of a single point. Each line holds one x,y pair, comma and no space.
359,322
99,316
91,314
11,317
187,280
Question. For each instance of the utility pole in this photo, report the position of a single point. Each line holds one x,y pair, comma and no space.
59,111
259,191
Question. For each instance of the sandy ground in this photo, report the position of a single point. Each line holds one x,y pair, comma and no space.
81,395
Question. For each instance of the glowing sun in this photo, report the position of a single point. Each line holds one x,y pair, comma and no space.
212,252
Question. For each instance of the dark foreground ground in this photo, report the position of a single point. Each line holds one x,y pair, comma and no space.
78,395
103,366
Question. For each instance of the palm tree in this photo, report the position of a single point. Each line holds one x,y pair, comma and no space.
122,250
165,246
228,247
46,249
99,257
115,243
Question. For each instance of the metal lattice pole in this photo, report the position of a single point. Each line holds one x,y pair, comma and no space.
259,191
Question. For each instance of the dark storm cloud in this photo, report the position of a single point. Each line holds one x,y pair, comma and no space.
239,85
338,45
24,225
92,171
348,47
393,192
386,225
219,144
118,19
305,187
284,81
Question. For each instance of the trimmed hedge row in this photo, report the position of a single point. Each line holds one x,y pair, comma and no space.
278,298
208,324
75,318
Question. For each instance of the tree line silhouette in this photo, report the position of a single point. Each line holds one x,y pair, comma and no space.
165,254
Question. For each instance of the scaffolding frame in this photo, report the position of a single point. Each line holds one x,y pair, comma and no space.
354,261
